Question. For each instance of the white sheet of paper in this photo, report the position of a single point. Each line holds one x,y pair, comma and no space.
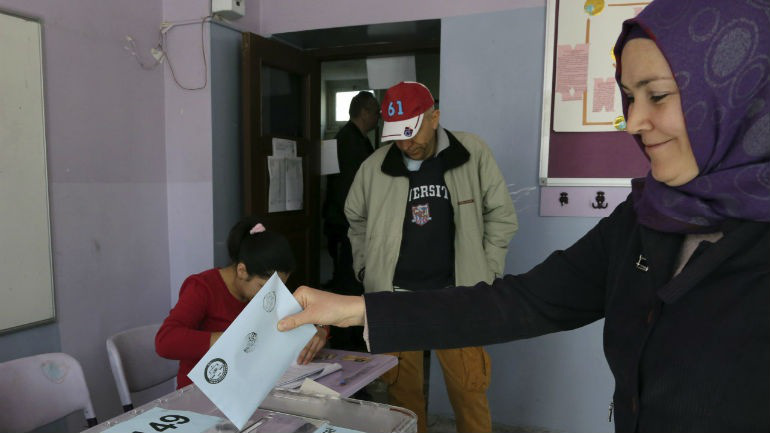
335,429
384,72
296,374
310,386
329,162
180,421
276,196
283,148
293,183
241,368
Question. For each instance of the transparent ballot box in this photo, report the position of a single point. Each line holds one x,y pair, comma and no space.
346,413
188,410
178,406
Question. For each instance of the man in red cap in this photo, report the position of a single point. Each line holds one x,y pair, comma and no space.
430,210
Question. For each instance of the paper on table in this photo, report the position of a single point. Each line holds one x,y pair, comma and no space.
310,386
296,373
241,368
159,419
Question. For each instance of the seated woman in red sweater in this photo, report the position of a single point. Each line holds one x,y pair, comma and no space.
211,300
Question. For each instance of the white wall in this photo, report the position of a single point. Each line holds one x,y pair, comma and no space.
491,84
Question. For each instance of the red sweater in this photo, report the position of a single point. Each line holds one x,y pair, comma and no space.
204,306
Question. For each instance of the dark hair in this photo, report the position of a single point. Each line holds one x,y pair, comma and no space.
363,101
262,253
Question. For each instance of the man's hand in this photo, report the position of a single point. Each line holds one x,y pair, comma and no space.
324,308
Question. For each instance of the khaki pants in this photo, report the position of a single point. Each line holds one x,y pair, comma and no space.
466,375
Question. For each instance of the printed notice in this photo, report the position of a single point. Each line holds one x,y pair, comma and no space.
276,169
329,162
571,71
604,95
286,180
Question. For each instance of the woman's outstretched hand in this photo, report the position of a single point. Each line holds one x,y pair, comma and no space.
324,308
314,345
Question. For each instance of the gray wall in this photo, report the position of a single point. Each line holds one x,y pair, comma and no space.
226,135
112,221
107,183
491,84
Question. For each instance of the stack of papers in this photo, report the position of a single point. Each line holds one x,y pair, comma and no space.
296,374
241,368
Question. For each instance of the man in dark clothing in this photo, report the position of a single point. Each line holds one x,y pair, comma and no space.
353,147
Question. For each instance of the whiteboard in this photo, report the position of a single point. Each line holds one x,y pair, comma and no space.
26,272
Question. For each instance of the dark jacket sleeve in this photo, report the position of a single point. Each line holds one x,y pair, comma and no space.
564,292
352,150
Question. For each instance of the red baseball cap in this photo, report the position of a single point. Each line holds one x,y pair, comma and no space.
402,110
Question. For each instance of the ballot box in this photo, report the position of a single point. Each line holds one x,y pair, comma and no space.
340,412
188,410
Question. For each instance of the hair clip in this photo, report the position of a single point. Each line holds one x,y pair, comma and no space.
259,228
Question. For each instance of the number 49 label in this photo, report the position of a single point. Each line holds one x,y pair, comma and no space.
165,420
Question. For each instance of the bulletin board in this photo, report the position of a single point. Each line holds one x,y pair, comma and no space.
26,272
583,142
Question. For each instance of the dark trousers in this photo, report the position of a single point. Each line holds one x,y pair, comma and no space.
343,279
343,282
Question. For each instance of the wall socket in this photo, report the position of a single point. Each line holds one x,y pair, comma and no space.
158,54
229,9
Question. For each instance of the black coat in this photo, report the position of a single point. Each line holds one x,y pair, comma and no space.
353,147
690,353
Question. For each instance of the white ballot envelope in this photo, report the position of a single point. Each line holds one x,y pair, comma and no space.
245,363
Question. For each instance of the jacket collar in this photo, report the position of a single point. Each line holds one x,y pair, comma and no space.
740,236
453,156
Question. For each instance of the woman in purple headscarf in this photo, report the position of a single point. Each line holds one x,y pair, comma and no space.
680,271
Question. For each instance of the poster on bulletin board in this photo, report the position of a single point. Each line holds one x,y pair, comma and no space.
583,142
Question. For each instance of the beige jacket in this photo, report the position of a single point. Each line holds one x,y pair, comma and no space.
484,216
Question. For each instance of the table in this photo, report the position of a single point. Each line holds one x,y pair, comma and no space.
299,413
355,373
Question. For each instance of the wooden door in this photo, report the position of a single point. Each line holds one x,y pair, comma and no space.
281,99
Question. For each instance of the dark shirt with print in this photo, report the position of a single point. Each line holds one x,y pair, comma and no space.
426,258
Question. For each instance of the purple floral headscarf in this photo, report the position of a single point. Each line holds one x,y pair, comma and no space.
719,52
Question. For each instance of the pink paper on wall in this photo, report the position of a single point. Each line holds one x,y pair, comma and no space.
571,71
604,94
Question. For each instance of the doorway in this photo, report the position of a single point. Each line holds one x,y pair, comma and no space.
343,53
340,55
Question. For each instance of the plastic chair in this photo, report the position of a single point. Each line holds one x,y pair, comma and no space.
40,389
135,365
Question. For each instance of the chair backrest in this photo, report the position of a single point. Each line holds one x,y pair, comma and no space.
40,389
135,365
